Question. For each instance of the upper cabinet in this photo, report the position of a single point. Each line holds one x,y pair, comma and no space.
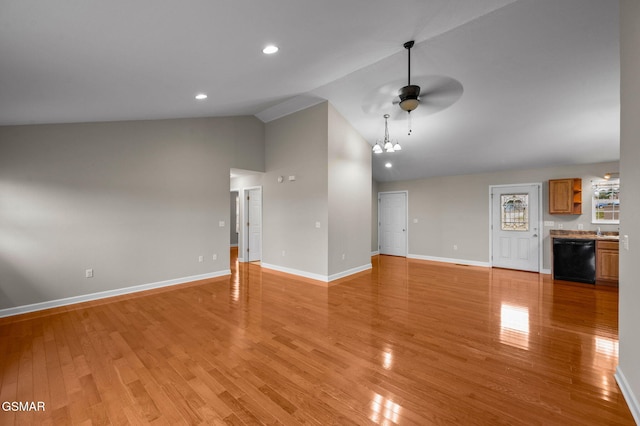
565,196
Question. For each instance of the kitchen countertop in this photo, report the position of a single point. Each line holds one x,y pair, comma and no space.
585,235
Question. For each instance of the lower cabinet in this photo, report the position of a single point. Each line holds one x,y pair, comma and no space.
607,262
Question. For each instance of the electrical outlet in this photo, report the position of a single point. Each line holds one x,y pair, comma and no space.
580,227
214,257
88,273
455,247
415,220
221,224
625,242
560,226
317,224
284,253
344,256
200,258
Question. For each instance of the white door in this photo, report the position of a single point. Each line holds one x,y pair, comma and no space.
514,227
392,231
254,224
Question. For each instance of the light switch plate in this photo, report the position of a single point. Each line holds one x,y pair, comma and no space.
549,223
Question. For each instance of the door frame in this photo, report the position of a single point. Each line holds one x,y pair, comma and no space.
540,222
243,227
406,219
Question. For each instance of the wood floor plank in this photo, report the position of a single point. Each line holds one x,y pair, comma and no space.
409,342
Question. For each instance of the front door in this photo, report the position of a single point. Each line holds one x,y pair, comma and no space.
514,227
392,232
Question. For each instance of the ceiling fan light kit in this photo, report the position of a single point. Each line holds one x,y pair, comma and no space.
408,103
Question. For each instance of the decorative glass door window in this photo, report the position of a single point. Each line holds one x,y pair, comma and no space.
515,212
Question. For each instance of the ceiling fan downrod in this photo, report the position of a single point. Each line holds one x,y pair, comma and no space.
409,93
408,45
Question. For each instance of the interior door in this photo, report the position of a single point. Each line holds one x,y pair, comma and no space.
514,227
254,225
392,232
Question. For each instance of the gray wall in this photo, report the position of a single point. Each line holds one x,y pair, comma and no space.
349,196
320,224
137,201
454,210
248,146
629,361
296,145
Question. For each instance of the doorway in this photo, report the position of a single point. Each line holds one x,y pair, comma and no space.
515,226
234,217
392,223
253,224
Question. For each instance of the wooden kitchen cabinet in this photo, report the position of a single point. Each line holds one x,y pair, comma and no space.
607,262
565,196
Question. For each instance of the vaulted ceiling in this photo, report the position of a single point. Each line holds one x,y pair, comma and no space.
540,78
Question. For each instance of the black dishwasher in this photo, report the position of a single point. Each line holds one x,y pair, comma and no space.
574,260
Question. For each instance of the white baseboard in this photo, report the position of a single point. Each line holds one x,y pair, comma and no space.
241,259
105,294
233,245
348,272
375,253
545,271
314,276
629,396
449,260
305,274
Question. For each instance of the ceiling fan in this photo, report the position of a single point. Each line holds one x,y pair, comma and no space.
433,93
409,93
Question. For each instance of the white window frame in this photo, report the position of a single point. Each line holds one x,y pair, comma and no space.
594,201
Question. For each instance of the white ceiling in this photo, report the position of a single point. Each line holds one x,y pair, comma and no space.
540,77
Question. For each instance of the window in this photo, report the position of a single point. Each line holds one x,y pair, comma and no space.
606,201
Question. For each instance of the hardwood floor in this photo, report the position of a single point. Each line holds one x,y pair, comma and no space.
410,342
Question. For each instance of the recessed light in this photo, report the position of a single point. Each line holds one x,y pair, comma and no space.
270,49
388,165
201,96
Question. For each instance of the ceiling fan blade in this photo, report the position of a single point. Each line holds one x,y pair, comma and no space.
437,93
441,86
397,113
379,101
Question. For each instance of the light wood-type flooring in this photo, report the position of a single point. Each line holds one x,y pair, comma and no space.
410,342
